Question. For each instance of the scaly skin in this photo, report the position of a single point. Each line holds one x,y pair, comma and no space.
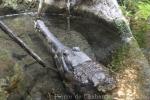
96,73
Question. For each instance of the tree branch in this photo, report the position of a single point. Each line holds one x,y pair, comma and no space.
11,34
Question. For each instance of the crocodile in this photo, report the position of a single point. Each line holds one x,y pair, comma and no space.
79,71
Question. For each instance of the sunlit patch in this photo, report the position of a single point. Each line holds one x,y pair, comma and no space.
128,87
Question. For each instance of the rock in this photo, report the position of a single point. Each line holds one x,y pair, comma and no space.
10,74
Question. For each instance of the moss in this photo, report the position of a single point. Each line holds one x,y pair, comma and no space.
6,64
118,58
3,96
126,56
10,75
5,70
140,37
140,28
3,55
122,27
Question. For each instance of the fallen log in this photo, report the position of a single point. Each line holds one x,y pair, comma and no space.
11,34
75,66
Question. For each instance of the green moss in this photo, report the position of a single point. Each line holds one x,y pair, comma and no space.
139,29
118,58
3,96
126,56
4,55
122,26
10,73
121,53
5,67
140,37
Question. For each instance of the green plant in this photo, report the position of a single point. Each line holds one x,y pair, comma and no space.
140,37
137,12
143,10
118,58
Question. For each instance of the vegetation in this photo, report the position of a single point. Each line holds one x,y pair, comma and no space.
118,61
138,13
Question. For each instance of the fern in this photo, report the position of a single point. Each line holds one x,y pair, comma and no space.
144,10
